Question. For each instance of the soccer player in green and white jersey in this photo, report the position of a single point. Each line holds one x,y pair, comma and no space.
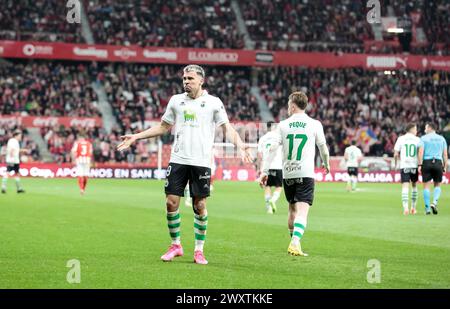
298,136
406,149
194,115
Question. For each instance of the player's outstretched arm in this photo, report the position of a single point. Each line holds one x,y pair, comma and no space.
325,155
128,140
234,138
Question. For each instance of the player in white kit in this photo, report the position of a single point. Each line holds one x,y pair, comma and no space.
275,177
406,149
13,161
194,114
352,156
298,136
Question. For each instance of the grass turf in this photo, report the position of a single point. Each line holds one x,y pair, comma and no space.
118,232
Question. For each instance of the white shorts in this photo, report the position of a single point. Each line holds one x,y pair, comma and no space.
83,169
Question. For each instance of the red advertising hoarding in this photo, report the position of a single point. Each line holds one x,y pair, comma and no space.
105,171
37,122
85,52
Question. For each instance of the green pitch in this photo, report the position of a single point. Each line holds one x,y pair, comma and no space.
118,232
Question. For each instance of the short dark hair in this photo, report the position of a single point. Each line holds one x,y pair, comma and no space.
431,125
300,99
270,124
353,142
17,132
410,126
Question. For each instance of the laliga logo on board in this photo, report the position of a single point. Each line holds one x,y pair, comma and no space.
31,50
424,62
1,50
125,53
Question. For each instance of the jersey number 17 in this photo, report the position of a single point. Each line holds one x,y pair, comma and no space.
293,139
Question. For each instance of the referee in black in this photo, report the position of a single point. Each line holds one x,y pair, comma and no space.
433,157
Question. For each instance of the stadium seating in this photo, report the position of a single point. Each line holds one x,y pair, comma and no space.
274,25
47,88
140,92
37,20
205,24
347,100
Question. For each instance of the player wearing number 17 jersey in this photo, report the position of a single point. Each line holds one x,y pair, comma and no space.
82,155
298,136
406,149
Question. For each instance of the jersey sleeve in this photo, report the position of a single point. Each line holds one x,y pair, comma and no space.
220,114
445,143
320,135
169,114
277,138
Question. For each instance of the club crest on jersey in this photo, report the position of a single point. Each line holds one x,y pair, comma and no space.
182,104
203,104
189,115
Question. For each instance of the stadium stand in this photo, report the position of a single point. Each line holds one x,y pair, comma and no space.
347,100
276,25
139,92
205,24
47,88
37,20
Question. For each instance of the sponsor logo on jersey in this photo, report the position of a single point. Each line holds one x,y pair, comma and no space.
189,115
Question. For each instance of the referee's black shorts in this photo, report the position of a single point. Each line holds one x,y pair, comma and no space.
432,170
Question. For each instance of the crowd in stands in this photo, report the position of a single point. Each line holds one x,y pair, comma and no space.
6,132
352,103
60,140
141,92
319,25
47,88
175,23
37,20
281,24
356,104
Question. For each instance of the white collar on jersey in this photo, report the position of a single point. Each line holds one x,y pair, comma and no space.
204,92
